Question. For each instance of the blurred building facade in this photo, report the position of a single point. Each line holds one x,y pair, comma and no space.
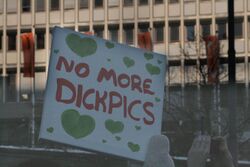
176,26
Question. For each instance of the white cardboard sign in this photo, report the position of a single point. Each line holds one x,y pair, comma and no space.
102,96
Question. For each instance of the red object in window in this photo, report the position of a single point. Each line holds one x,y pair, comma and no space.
88,33
144,41
213,51
28,46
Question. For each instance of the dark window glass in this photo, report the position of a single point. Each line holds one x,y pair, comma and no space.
26,5
190,36
54,4
143,27
1,36
222,30
143,2
238,28
40,5
99,31
174,32
159,33
40,40
98,3
205,28
128,2
83,4
113,33
173,1
158,1
128,34
11,40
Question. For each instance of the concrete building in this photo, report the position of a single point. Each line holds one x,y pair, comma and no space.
176,26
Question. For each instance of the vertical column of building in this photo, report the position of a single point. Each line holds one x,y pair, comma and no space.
246,43
166,38
61,8
136,22
198,45
4,38
91,12
121,21
198,50
182,43
76,14
151,27
47,36
213,18
105,19
18,55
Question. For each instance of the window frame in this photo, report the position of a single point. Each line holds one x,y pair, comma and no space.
98,7
36,7
9,46
70,7
157,26
54,9
84,7
174,25
28,6
128,4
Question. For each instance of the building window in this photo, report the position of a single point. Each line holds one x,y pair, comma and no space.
1,39
173,1
158,1
222,29
40,40
128,34
190,31
69,4
159,33
98,3
99,31
83,29
238,28
143,27
83,4
40,5
113,3
128,2
12,6
25,5
205,28
11,40
143,2
113,33
174,32
54,5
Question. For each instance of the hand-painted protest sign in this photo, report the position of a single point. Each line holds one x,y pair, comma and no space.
102,96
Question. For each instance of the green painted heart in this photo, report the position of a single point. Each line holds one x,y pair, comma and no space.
109,45
153,70
76,125
81,46
148,56
157,99
56,51
134,147
114,126
159,61
128,62
118,138
50,129
137,127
